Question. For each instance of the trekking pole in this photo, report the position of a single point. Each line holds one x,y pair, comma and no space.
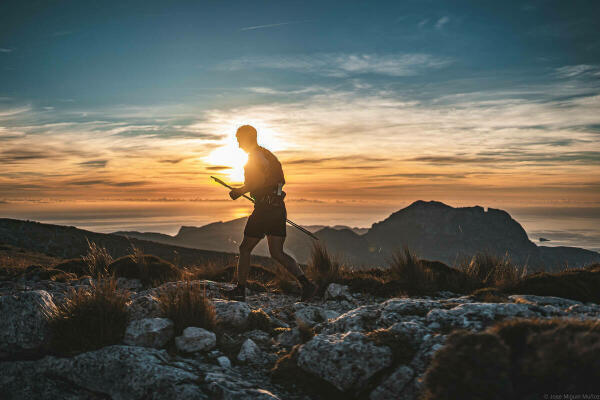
295,225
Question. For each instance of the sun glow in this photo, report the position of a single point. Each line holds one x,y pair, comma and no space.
232,158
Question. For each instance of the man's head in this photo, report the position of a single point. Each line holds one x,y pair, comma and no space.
246,137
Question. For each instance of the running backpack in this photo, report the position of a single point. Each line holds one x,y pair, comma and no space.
274,173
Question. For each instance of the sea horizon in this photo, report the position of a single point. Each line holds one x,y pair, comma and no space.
573,226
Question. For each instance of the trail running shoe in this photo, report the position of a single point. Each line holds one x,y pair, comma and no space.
309,291
238,294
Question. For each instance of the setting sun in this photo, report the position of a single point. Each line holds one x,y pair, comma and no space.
232,158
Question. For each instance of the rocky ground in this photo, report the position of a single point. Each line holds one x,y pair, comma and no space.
363,346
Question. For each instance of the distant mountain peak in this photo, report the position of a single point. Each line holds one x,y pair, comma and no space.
430,203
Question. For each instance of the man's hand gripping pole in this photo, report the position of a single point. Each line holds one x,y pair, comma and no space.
295,225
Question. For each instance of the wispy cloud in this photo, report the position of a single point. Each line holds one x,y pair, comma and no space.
5,50
250,28
94,163
441,22
581,70
343,65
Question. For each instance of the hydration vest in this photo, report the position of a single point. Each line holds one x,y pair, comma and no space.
273,173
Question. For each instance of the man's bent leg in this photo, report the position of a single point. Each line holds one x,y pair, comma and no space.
276,250
248,244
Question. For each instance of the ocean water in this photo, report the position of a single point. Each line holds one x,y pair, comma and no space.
563,226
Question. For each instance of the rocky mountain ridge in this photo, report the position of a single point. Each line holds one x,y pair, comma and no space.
432,229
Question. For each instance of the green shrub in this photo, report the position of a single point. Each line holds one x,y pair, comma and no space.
89,318
187,305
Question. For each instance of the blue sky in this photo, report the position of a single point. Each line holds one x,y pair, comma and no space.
467,102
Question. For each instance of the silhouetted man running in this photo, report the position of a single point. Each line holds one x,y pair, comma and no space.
263,178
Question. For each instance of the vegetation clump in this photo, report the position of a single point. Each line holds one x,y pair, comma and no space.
97,259
149,269
90,318
577,284
323,268
187,305
517,358
258,319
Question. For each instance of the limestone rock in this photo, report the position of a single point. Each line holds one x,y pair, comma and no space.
195,339
345,360
335,291
144,306
118,372
250,353
312,315
392,387
149,332
232,313
476,316
224,362
24,321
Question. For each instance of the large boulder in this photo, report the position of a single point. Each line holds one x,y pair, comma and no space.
117,372
346,360
195,339
393,385
24,322
149,332
476,316
232,313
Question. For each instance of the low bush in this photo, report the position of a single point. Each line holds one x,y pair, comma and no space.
76,266
517,358
577,284
149,269
187,305
89,318
469,366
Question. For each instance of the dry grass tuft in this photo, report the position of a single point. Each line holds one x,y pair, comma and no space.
187,305
407,268
491,270
90,318
97,259
323,268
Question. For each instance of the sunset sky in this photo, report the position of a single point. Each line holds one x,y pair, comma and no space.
122,110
